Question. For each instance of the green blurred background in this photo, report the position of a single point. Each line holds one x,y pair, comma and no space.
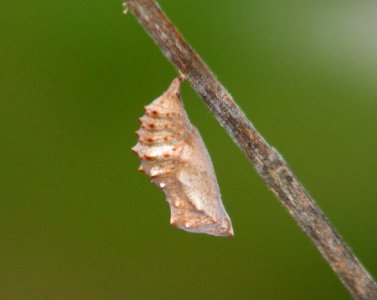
77,221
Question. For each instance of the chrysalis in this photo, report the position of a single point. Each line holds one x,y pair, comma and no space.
173,154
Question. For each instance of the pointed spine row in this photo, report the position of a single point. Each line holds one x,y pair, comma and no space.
162,132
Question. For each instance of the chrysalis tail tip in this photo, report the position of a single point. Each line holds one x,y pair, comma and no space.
230,232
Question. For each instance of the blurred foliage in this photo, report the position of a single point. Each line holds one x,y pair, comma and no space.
77,221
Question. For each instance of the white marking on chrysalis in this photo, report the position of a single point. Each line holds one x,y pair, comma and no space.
173,154
125,8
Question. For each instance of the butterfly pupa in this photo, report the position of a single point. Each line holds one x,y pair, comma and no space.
173,154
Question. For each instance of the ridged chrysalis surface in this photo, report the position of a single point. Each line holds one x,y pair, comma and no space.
173,154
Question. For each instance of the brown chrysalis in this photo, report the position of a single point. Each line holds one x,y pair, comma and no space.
173,154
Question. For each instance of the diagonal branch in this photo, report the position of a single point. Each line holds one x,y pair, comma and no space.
268,162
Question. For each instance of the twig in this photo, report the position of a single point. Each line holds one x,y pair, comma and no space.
268,162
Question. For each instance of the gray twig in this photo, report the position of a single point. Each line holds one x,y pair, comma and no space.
268,162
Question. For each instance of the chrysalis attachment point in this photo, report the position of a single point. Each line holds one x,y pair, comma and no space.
173,154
